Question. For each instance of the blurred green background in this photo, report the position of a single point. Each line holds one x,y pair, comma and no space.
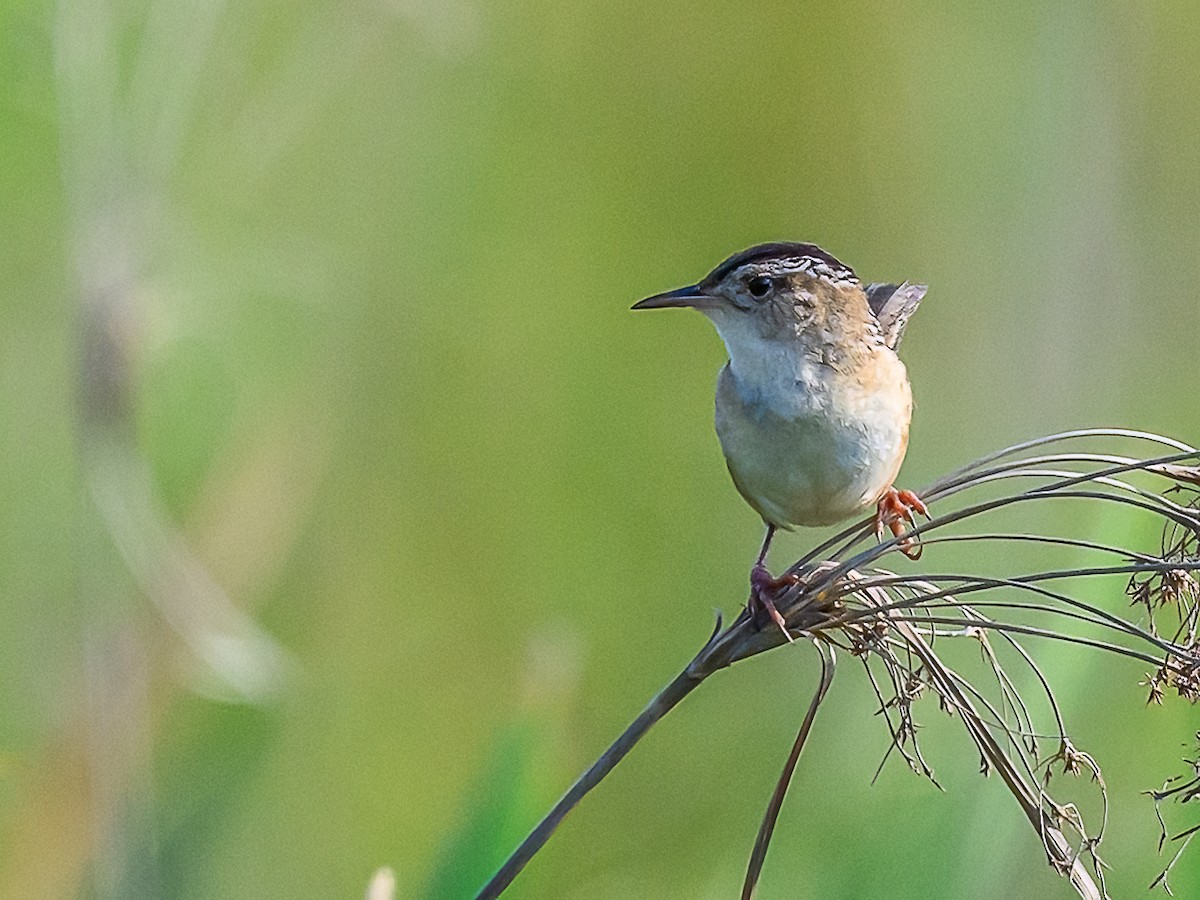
348,513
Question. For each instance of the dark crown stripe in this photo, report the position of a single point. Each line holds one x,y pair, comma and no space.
778,250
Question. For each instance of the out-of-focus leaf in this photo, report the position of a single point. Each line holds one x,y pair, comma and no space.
499,804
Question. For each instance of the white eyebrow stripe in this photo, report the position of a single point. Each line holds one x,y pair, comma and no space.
809,265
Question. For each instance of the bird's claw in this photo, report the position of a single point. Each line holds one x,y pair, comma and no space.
895,508
763,591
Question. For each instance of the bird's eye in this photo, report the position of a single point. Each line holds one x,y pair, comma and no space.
759,286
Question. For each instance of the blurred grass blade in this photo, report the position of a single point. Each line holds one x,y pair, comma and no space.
502,798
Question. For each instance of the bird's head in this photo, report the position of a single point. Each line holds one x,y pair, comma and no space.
772,292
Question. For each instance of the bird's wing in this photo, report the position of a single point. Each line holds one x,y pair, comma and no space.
892,305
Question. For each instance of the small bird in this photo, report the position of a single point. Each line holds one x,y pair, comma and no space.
813,406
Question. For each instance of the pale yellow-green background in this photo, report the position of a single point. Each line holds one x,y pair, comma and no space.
370,264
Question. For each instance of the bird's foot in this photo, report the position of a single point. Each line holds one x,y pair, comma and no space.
763,591
896,508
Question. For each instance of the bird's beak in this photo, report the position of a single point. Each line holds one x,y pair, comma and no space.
680,297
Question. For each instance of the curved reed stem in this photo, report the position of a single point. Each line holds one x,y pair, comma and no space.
890,621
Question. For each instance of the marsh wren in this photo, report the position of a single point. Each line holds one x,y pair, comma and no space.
813,407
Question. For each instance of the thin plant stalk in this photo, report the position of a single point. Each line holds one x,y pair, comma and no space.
759,855
890,622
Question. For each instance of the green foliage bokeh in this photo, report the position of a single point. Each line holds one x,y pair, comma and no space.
372,264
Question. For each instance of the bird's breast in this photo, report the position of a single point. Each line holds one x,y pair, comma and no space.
811,445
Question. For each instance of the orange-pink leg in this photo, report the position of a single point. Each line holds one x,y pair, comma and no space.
895,508
764,589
